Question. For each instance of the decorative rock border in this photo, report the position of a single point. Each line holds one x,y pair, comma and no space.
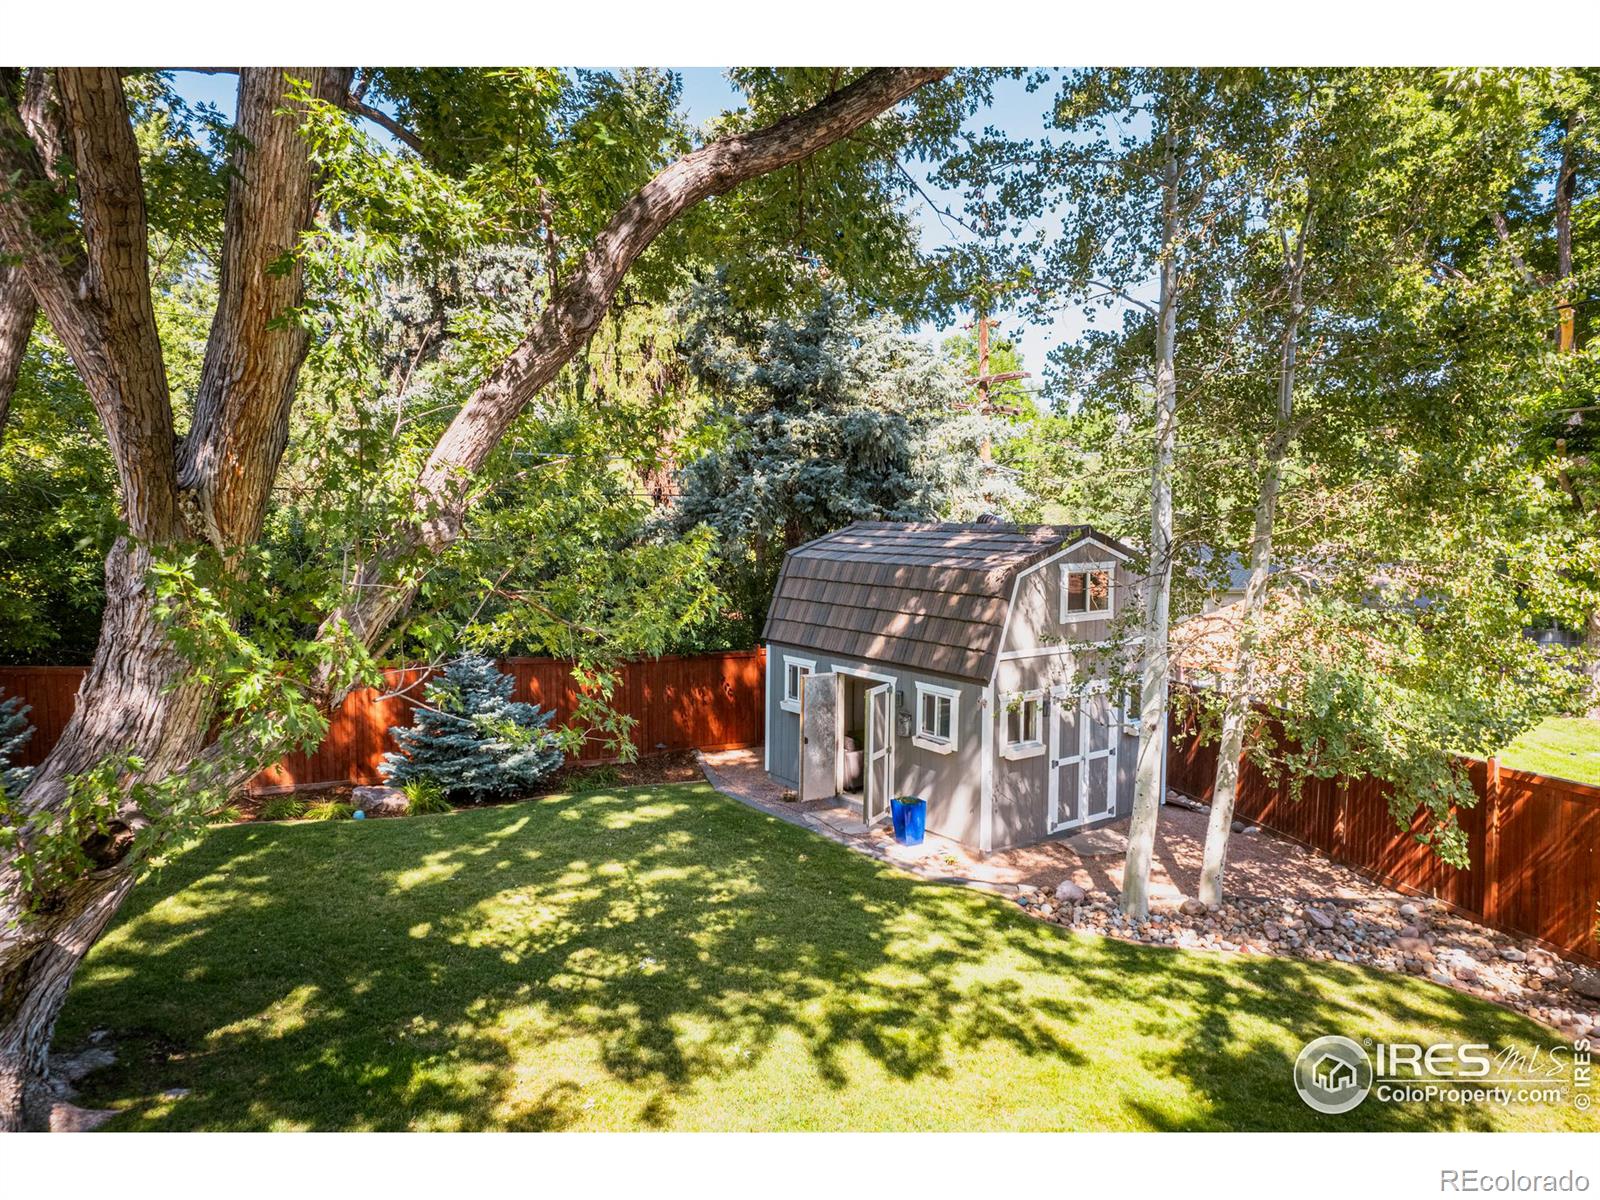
1416,937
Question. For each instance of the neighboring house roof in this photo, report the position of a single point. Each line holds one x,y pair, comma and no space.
929,596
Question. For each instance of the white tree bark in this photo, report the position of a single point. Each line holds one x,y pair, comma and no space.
1236,706
1158,585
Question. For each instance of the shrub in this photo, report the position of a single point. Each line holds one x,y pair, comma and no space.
471,738
424,797
283,808
229,814
597,779
328,810
14,734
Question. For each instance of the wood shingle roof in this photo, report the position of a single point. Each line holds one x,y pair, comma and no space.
928,596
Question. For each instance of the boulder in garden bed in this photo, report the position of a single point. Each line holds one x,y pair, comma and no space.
1319,918
1098,843
1068,892
381,801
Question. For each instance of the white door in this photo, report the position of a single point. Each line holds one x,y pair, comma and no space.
1083,756
819,736
1098,718
878,784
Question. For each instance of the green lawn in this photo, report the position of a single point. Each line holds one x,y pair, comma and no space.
665,958
1567,747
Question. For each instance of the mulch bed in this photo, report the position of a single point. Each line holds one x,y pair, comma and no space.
676,766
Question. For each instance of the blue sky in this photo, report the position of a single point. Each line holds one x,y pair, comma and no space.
707,93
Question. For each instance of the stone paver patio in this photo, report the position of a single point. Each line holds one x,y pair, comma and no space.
1282,899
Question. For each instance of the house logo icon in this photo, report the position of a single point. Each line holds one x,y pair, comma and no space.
1333,1074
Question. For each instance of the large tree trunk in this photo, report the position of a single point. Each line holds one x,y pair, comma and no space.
40,122
1158,586
1236,702
17,312
140,696
575,311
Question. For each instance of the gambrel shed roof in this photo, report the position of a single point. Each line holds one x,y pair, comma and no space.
927,596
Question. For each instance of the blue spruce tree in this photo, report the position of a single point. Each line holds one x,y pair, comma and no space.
14,732
472,739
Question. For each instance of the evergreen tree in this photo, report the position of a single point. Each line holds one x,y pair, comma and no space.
14,732
827,417
471,738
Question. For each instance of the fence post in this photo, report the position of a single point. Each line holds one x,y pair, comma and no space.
1491,840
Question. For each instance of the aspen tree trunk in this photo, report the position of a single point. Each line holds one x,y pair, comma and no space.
1236,705
1158,587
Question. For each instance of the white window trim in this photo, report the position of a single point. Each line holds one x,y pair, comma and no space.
1084,568
792,703
1020,750
1131,717
928,741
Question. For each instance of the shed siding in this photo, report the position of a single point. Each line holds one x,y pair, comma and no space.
950,783
1022,786
1036,620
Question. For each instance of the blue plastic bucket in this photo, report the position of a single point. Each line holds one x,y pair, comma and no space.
910,817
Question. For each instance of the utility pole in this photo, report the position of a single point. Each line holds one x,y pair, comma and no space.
984,381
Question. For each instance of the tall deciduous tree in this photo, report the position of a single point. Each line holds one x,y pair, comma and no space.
1134,178
1369,189
138,736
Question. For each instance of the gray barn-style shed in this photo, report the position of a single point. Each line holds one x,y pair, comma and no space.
967,664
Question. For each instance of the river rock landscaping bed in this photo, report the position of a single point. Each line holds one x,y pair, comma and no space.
1418,937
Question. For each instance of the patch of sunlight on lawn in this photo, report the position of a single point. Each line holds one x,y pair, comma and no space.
662,958
1565,747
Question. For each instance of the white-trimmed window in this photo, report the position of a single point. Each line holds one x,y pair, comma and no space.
938,718
1022,727
1130,711
1086,590
794,670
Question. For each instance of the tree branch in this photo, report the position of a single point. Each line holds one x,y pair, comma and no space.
576,309
17,311
247,381
1504,232
94,284
354,104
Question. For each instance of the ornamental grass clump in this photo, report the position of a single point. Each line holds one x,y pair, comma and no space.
472,739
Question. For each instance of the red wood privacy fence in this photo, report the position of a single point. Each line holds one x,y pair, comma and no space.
1534,841
680,702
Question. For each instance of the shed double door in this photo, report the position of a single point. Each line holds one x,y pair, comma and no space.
1083,755
822,717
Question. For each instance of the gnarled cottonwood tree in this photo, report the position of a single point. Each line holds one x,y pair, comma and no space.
73,219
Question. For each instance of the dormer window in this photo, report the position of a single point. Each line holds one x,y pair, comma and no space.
1086,590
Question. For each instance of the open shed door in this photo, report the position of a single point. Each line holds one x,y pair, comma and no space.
878,786
819,736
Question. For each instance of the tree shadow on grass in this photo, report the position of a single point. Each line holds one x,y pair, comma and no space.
613,960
